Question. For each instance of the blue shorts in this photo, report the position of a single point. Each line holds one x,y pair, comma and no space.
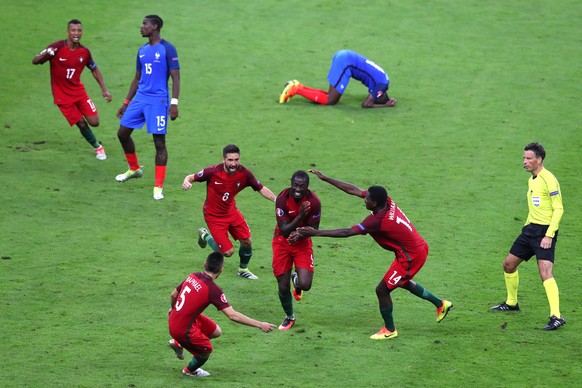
348,64
154,116
340,71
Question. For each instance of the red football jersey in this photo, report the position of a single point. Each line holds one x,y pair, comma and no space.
287,208
221,188
66,68
195,293
393,231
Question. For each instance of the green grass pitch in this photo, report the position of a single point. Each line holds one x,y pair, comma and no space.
87,264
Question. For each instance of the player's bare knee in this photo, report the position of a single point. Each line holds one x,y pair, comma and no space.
305,285
382,290
93,121
509,267
228,253
217,333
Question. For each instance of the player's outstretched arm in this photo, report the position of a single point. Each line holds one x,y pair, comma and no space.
44,56
267,193
307,231
343,186
187,184
235,316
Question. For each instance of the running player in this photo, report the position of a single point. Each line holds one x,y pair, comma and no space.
393,231
68,58
223,182
295,206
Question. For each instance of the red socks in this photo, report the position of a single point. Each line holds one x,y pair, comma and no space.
160,176
134,165
132,161
315,95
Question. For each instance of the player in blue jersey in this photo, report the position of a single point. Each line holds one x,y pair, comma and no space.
148,100
346,64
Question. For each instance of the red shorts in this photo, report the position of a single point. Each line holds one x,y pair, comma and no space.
220,227
75,111
285,254
404,268
197,340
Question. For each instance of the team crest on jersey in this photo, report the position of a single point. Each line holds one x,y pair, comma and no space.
237,184
200,173
223,298
536,201
81,59
157,57
280,212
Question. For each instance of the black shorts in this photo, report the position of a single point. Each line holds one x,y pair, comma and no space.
528,242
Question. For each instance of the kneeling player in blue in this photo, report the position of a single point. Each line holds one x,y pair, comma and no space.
346,64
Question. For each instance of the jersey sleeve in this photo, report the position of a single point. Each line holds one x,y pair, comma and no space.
137,63
217,297
91,65
281,207
171,56
315,215
252,181
370,224
204,174
557,206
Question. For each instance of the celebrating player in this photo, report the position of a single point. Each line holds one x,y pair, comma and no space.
192,330
295,206
346,64
68,58
223,182
393,231
148,100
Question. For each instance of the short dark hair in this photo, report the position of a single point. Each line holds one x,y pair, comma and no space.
73,21
379,195
214,262
230,149
155,19
301,175
537,149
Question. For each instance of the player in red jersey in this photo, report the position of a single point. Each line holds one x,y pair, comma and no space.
192,330
393,231
68,58
295,206
223,182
